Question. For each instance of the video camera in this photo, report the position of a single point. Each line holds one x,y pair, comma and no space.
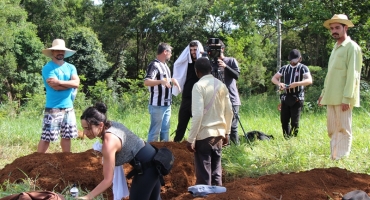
213,49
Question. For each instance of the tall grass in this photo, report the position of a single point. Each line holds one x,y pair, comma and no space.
20,136
311,149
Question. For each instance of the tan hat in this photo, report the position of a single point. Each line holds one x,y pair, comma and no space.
338,18
58,44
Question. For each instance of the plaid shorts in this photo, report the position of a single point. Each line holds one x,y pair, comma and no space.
59,121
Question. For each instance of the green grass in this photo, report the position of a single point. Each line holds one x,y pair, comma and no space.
20,136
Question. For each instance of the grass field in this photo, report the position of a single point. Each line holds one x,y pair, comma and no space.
20,136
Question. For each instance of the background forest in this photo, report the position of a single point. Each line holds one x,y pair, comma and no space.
116,39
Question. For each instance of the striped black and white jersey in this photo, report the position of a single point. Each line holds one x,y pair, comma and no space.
292,74
159,94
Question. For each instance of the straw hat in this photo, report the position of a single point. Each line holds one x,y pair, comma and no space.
58,44
338,18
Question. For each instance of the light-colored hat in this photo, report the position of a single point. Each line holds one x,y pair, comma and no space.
338,18
58,44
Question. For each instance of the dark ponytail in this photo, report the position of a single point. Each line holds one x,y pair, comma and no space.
96,114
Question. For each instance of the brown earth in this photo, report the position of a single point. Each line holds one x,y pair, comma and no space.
57,171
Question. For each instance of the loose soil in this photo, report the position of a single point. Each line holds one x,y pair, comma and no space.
58,171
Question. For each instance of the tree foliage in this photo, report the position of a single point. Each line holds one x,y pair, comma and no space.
116,40
55,18
89,59
20,54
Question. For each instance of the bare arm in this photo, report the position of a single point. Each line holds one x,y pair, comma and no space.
111,145
307,80
63,85
276,80
175,83
151,83
232,70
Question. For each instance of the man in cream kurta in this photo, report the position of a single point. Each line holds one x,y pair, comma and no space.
211,123
341,90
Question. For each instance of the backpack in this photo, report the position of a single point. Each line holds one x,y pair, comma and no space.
163,160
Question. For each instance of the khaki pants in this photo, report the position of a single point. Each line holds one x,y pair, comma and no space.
339,124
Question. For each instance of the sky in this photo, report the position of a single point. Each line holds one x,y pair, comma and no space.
97,2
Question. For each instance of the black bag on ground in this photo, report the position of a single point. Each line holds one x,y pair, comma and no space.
254,135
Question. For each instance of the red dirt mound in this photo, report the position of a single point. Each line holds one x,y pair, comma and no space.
57,171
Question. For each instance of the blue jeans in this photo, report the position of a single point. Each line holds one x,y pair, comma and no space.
159,123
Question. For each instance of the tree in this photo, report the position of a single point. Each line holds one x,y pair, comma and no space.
55,18
89,59
20,54
245,40
135,28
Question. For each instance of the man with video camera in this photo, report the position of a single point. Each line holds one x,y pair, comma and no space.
227,70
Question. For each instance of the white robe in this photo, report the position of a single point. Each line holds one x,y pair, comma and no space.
181,66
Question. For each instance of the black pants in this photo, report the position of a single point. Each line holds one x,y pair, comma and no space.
289,117
207,155
234,137
183,119
147,185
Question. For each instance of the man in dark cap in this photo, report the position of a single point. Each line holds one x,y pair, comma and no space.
295,76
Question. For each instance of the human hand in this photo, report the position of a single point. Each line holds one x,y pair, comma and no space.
345,107
52,82
221,63
225,141
279,107
319,101
55,84
190,147
282,86
293,85
165,83
175,83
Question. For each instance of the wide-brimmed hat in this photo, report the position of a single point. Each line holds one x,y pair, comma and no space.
58,44
338,18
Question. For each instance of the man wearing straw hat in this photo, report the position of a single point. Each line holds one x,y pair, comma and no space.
61,81
341,90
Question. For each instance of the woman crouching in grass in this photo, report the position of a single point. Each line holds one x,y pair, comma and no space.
119,146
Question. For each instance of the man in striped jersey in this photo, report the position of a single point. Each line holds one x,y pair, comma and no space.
295,76
159,82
